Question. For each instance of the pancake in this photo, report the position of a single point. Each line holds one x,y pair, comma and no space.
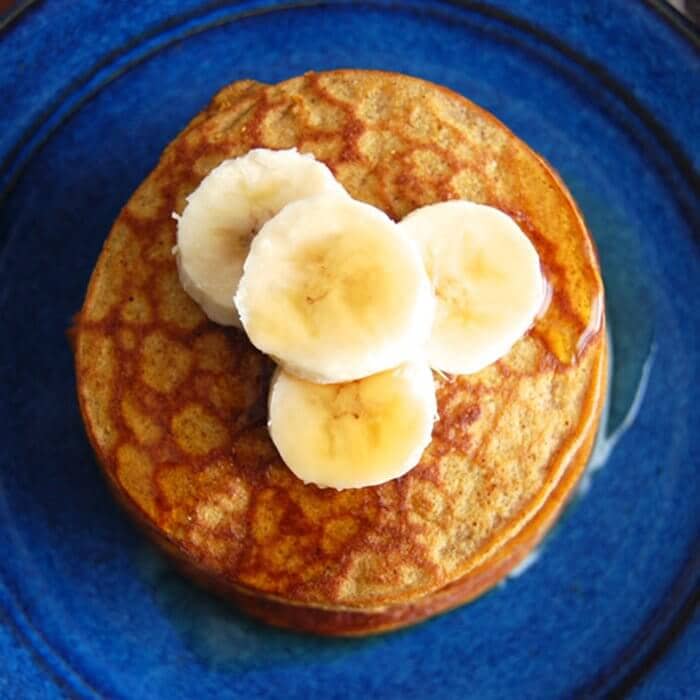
174,405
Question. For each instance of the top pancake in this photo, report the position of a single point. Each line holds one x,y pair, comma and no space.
174,405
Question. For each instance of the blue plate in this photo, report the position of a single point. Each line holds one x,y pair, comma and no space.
607,91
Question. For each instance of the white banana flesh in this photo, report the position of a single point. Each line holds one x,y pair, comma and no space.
487,280
355,434
334,292
226,211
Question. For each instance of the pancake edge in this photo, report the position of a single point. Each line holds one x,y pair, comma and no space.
491,551
339,622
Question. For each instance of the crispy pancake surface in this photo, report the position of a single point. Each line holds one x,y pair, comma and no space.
174,405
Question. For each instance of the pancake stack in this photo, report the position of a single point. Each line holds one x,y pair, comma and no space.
175,405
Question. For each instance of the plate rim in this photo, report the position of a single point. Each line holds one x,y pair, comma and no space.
684,29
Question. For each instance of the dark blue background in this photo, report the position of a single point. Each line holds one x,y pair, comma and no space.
91,92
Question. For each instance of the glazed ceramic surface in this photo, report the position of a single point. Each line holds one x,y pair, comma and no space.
93,91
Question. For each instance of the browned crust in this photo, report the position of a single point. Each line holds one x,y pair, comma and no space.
455,594
493,552
346,623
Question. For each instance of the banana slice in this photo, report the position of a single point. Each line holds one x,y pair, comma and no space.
356,434
487,279
334,292
227,209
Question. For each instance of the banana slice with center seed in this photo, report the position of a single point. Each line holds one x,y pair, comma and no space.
487,279
227,209
334,292
355,434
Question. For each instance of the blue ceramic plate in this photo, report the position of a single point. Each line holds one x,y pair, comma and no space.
91,92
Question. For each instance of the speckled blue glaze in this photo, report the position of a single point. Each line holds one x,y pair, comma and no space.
92,92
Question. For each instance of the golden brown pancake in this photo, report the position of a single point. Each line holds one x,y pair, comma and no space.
174,405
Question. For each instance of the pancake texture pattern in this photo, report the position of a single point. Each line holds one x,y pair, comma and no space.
175,405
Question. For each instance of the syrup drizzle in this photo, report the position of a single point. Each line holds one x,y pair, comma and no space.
593,326
606,441
571,315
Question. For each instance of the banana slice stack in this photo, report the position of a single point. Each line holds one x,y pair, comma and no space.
355,308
